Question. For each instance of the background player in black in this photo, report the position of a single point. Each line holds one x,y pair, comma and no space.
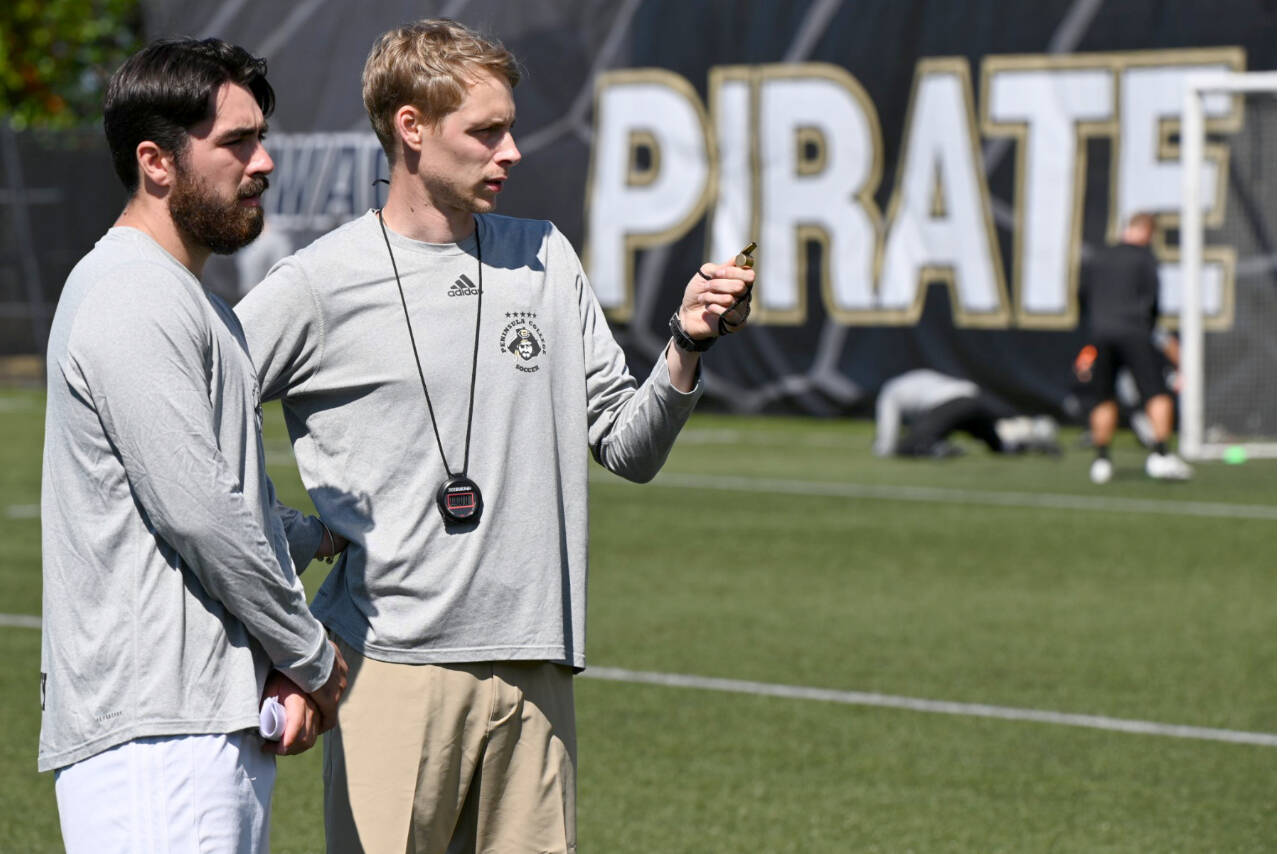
1119,304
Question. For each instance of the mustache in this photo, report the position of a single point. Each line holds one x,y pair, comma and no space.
255,187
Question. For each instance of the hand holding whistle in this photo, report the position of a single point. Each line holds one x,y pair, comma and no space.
736,317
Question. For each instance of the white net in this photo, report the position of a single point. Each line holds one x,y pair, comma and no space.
1236,387
1240,362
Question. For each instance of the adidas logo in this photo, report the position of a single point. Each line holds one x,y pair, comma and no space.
463,287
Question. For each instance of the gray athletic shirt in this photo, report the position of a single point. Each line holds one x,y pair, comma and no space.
168,584
328,334
909,394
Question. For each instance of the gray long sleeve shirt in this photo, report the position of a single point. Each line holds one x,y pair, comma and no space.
907,395
328,334
168,585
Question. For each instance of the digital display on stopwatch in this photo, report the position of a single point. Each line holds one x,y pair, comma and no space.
459,501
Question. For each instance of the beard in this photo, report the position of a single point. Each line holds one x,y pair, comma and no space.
447,193
210,220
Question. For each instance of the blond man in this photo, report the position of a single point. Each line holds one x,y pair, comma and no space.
443,369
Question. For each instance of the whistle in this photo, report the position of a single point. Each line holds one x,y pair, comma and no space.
744,259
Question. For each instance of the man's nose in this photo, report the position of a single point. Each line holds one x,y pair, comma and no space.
261,162
510,154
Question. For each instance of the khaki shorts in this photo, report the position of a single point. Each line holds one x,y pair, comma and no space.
455,757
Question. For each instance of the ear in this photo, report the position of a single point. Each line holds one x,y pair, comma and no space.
410,126
155,165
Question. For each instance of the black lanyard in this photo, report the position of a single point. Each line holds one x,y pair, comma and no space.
459,497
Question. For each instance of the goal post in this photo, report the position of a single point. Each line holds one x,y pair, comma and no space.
1228,398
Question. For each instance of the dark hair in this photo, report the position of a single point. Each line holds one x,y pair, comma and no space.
167,88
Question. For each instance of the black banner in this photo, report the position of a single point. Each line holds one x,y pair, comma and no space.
924,178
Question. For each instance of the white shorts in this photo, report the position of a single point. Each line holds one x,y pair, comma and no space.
209,794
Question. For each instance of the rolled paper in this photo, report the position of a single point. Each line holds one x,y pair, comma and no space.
271,719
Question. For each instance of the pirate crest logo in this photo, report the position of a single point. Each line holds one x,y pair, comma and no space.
522,339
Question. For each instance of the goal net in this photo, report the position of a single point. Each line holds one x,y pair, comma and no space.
1228,313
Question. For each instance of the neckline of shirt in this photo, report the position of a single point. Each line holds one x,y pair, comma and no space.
134,235
399,242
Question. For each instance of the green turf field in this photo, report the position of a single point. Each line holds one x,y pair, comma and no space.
780,552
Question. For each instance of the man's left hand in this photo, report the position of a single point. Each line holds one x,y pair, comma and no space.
711,294
302,720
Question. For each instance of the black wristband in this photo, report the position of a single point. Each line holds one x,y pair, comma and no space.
684,341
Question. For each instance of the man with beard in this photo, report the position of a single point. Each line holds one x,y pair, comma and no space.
461,603
170,590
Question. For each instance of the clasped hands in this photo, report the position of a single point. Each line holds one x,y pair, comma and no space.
309,715
306,715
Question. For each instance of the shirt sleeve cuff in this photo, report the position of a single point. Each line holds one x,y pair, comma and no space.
661,379
312,672
304,541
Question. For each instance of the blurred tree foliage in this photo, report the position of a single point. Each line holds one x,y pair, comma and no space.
57,55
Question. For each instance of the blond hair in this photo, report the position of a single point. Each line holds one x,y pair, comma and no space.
429,65
1143,220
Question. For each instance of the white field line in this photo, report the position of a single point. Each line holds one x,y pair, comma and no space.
885,492
280,454
942,495
978,710
861,698
764,438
